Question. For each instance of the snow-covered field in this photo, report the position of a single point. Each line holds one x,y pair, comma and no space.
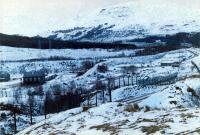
152,94
17,54
54,61
176,99
147,66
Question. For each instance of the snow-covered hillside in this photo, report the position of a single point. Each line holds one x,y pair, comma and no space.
133,19
162,109
169,86
120,20
116,119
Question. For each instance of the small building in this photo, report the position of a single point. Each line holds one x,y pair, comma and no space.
34,77
168,63
4,77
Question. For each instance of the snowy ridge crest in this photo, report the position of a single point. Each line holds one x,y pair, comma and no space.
132,20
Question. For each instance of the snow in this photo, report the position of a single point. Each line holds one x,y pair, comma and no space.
159,97
133,19
113,118
9,53
133,91
173,107
119,20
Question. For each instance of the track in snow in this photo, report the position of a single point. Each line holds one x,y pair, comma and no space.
135,99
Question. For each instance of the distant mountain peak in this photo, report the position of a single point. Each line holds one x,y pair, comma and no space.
135,19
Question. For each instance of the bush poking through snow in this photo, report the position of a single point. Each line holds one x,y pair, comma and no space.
106,127
52,134
120,104
86,108
153,128
173,102
147,109
189,89
132,108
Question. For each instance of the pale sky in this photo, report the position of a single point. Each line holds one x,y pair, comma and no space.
28,17
17,16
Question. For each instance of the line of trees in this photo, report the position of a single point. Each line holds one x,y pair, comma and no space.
41,103
46,43
173,40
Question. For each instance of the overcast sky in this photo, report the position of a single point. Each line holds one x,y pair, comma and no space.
17,16
30,16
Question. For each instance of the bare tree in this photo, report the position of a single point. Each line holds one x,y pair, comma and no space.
31,103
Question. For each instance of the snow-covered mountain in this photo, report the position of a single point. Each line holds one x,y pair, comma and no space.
133,19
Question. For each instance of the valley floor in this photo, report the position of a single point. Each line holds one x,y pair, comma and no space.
155,99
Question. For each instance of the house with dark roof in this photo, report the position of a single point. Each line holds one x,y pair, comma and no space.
34,77
4,77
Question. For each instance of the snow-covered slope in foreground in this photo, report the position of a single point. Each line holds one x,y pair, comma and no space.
114,119
133,19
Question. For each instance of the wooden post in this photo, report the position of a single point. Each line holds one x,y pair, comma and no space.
132,80
124,81
15,119
45,107
119,82
96,98
110,94
136,79
31,115
88,97
128,80
103,96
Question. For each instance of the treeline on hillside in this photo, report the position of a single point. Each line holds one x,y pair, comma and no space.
156,50
45,43
174,40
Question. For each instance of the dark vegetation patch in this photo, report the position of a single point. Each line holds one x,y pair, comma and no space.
132,108
45,43
156,49
154,128
106,128
173,40
191,90
173,102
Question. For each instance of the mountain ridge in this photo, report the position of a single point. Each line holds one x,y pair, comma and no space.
135,19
